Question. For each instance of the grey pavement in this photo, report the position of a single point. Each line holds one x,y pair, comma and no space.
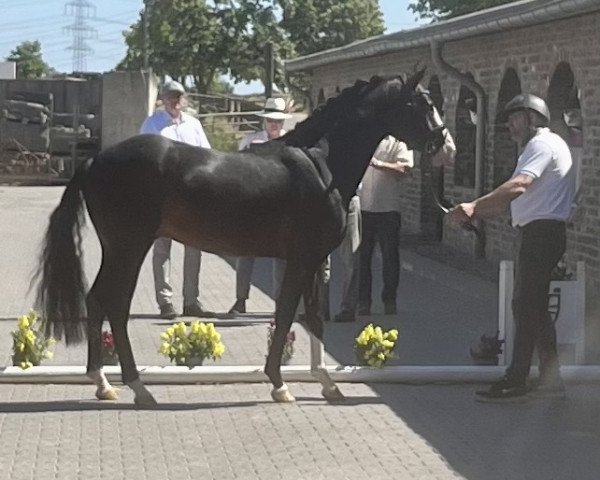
387,431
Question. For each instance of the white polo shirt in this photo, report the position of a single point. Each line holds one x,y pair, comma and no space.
380,190
256,137
547,159
188,129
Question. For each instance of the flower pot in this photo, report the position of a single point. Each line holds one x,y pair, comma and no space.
192,362
17,362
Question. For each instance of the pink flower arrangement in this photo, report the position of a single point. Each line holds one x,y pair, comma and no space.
108,343
288,348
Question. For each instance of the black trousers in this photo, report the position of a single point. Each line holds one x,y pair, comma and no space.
382,227
541,245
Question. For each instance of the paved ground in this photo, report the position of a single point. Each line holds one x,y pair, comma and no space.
235,431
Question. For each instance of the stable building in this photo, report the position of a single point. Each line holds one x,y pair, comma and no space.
475,64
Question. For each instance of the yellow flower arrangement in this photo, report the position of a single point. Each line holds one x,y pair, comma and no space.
191,345
30,345
373,346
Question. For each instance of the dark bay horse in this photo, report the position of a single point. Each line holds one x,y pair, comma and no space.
287,198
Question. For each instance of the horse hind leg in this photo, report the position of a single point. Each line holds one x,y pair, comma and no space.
291,289
121,269
313,292
104,390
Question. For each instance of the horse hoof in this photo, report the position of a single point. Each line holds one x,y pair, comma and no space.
282,395
333,394
145,401
108,394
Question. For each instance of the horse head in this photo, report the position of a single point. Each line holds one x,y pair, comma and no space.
394,107
407,112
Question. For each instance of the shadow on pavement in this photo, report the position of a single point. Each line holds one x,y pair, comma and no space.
92,405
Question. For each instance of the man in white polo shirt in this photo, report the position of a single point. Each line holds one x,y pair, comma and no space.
175,124
540,194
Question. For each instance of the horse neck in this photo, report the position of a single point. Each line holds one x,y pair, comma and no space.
350,152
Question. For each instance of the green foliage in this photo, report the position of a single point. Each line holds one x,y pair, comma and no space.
28,56
444,9
314,25
30,345
208,39
205,39
221,135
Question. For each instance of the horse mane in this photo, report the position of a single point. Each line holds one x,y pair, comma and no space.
328,115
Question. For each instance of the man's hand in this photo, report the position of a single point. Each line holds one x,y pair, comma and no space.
463,214
395,167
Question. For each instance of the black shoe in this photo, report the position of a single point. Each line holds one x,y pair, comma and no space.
345,316
167,311
196,310
503,391
238,307
364,310
389,308
547,388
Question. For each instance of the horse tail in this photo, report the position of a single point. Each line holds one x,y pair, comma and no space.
62,286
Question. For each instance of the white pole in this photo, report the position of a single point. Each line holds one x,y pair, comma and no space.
505,319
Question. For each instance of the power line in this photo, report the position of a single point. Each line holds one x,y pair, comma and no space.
81,31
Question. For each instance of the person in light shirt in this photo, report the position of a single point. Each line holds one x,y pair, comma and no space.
175,124
540,196
274,114
380,204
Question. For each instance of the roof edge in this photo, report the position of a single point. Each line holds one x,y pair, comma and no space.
501,18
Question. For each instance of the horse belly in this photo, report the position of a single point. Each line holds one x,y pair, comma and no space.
215,230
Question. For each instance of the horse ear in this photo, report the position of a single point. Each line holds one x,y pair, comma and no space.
414,80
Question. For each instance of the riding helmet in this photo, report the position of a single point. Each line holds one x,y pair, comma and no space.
527,101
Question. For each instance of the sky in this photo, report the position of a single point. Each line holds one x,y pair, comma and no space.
45,21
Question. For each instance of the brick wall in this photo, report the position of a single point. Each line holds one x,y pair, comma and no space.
533,53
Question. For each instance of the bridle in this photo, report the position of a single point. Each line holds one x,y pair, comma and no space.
437,128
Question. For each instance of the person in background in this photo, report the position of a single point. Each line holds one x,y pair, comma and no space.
380,204
348,254
273,115
175,124
540,196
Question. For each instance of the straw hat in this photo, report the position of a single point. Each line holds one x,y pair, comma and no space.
274,109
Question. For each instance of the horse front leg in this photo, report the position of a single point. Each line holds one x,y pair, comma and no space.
104,390
314,290
286,305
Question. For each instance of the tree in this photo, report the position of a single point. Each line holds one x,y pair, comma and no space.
314,25
28,57
205,39
444,9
